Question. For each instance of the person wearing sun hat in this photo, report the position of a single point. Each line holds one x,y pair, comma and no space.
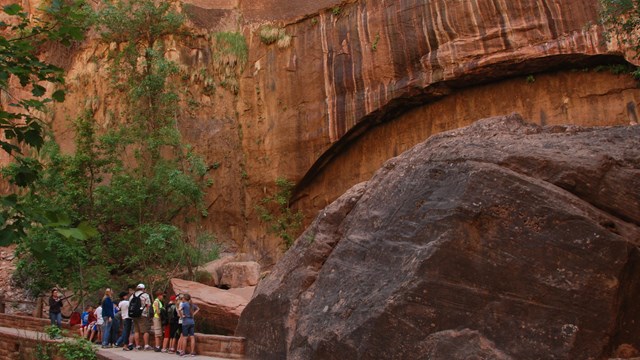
141,323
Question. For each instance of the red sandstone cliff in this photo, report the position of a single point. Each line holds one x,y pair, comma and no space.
360,82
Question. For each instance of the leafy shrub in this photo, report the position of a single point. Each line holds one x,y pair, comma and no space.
276,212
53,331
270,34
77,349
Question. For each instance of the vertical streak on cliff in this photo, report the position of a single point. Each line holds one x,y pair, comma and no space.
474,10
505,27
358,58
549,19
362,27
450,32
328,75
431,60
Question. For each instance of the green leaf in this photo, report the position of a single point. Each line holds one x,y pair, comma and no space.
58,95
74,233
13,9
8,237
34,138
9,200
57,219
8,147
88,230
38,90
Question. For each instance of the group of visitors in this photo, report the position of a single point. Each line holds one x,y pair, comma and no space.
125,322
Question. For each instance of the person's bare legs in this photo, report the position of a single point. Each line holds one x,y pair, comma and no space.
137,339
165,343
193,344
181,344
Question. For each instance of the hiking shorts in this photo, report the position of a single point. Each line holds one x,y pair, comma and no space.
188,330
157,326
175,330
141,325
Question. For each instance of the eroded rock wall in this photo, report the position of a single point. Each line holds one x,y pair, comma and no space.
359,82
354,65
502,240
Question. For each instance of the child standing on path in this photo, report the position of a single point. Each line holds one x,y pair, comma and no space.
187,311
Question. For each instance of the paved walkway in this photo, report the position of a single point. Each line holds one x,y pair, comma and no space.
111,354
119,354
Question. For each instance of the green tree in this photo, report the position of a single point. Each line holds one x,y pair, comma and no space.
23,36
138,184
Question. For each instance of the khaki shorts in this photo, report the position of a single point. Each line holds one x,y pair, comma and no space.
141,325
157,326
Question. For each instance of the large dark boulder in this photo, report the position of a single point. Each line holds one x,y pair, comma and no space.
502,240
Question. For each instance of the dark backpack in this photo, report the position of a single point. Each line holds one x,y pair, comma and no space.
135,307
172,314
164,316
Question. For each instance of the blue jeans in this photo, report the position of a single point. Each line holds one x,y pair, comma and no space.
106,330
115,328
126,330
56,319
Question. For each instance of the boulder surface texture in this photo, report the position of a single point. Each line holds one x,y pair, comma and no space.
502,240
219,309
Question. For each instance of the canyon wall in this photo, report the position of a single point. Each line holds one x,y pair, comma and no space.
357,83
362,81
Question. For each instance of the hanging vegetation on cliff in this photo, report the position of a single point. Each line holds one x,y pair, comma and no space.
138,184
21,124
621,19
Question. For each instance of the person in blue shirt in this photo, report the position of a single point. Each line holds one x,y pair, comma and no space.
84,326
187,311
107,316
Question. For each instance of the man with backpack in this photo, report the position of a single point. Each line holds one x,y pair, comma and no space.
139,305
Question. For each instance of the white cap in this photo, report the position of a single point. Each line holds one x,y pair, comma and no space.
140,286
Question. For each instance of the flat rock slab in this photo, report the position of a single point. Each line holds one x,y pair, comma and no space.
502,240
219,308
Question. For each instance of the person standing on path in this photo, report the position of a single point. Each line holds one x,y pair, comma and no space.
187,311
127,322
139,305
107,316
55,308
157,321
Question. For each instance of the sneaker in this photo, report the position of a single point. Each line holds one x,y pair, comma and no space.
130,346
126,349
192,354
147,348
180,353
156,349
139,348
164,350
